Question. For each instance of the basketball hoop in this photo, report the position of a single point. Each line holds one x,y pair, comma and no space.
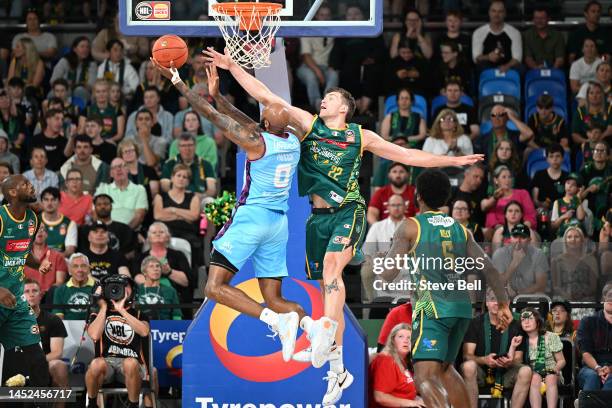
248,29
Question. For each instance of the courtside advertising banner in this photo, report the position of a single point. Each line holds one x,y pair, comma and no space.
168,337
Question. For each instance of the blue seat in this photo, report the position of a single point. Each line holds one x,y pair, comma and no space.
541,86
79,103
500,86
493,73
579,161
552,74
419,105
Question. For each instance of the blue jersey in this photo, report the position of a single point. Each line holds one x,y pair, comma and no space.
267,180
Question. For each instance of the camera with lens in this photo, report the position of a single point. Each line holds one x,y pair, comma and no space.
113,288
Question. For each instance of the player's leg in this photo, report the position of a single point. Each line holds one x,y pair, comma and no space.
458,394
427,375
219,289
271,291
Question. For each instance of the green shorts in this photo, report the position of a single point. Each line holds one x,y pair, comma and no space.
437,339
18,326
334,231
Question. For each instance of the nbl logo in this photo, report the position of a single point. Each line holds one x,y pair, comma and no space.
153,10
144,10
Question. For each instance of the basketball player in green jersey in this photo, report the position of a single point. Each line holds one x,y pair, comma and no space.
445,250
328,173
18,329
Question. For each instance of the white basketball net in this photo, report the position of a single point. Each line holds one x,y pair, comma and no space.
249,48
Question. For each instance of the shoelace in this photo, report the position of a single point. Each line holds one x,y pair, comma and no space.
274,332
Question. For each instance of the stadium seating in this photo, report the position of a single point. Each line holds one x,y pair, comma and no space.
551,74
495,79
419,105
546,86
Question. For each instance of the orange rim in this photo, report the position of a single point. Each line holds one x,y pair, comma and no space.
250,13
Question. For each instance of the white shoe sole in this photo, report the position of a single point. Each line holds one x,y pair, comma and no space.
347,383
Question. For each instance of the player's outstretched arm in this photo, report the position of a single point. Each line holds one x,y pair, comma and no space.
223,105
256,88
246,137
403,238
413,157
493,279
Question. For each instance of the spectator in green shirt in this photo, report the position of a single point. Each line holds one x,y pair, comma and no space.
77,290
206,147
543,47
153,293
595,111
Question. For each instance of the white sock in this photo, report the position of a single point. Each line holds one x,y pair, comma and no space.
270,317
306,323
337,365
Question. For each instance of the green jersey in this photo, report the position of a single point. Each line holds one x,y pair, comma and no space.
56,232
159,295
69,294
329,163
16,237
440,244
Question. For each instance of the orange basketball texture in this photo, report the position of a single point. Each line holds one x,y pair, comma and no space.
170,48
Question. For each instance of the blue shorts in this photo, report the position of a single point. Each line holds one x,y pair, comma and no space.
259,234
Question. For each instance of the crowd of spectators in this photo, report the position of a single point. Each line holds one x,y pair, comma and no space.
123,168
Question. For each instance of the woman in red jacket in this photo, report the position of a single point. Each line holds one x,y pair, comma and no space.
391,382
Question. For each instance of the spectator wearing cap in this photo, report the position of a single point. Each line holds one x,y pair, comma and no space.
398,184
595,177
11,121
500,115
513,215
40,251
61,230
76,291
102,259
39,175
595,344
543,46
504,192
548,127
568,208
561,323
574,272
5,155
93,170
404,122
203,180
74,202
497,44
546,186
129,200
121,237
523,267
397,315
465,113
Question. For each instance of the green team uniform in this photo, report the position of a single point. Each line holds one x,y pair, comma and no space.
56,232
18,325
159,295
329,167
441,315
69,294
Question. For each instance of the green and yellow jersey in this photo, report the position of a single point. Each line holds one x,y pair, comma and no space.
56,232
441,242
16,237
330,162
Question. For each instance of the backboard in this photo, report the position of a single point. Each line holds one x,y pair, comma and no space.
194,18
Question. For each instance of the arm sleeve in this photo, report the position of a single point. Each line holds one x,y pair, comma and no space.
465,145
177,314
554,343
57,328
131,79
376,201
517,42
60,263
529,212
208,169
527,49
57,299
478,40
574,72
71,235
471,335
305,45
141,198
584,336
130,126
59,70
383,374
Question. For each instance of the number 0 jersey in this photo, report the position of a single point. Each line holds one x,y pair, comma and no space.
441,250
16,237
267,180
330,163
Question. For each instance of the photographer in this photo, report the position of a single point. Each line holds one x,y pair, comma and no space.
118,332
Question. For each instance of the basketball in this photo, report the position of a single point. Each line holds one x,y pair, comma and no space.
170,48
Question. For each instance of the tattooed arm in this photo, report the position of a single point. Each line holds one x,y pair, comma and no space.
247,137
223,105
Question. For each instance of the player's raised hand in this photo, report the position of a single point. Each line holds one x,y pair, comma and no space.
213,80
166,72
469,159
217,59
7,299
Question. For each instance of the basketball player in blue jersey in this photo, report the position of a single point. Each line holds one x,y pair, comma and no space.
258,228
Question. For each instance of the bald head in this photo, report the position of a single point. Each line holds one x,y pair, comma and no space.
21,186
275,118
